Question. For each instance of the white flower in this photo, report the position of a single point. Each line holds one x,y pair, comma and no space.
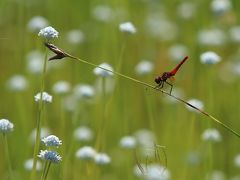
83,133
51,156
29,164
212,37
83,91
157,172
177,51
216,175
128,142
48,33
35,62
102,13
210,57
51,140
6,126
61,87
235,33
45,97
86,153
211,135
152,172
102,159
17,83
221,6
237,160
158,26
193,158
146,139
195,102
127,27
44,132
101,72
144,67
75,36
186,10
37,23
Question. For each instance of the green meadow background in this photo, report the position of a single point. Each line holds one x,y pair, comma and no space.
129,107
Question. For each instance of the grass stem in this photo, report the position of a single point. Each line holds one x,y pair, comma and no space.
152,87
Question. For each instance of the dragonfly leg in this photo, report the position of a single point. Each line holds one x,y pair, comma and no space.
171,87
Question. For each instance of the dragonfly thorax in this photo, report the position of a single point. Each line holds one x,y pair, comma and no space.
165,76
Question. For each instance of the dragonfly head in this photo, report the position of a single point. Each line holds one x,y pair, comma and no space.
158,80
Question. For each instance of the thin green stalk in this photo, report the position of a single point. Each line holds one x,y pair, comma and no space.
64,54
8,156
103,121
48,164
44,170
39,120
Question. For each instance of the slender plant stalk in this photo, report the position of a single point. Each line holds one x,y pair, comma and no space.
44,170
39,120
8,156
64,54
48,164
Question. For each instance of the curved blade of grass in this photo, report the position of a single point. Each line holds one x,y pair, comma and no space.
152,87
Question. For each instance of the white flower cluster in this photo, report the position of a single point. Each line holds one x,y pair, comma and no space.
127,27
5,126
103,73
45,97
50,155
87,153
48,33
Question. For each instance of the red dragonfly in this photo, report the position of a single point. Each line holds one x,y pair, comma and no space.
160,80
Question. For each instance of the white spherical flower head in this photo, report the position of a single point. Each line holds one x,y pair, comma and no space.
128,142
160,27
86,153
235,33
210,57
37,23
195,102
83,133
221,6
177,51
48,33
237,160
127,27
61,87
29,164
6,126
211,135
75,36
51,156
212,37
144,67
45,97
102,159
83,91
186,10
52,140
103,13
101,72
35,62
155,171
17,83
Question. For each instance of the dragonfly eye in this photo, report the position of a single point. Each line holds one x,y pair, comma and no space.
158,80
